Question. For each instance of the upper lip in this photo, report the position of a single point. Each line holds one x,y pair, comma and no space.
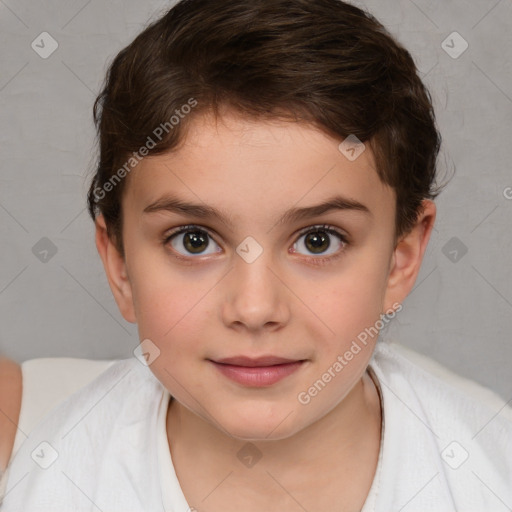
255,361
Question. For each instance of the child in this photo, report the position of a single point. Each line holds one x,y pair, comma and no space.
263,201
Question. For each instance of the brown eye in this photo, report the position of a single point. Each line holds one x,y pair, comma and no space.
317,242
195,241
319,239
190,240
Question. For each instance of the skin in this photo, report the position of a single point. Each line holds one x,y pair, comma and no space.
10,405
215,304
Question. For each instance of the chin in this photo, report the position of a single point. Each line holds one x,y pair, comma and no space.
255,426
251,433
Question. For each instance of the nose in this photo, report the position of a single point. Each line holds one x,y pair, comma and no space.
255,298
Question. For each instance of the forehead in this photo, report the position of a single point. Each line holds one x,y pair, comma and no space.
252,166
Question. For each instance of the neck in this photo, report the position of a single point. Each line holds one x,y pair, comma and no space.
343,444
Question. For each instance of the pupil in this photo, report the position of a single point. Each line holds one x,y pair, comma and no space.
317,239
194,240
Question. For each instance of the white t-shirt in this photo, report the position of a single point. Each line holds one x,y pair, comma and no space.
442,450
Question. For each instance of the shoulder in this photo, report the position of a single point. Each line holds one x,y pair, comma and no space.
104,428
64,386
460,430
10,405
30,390
58,392
433,381
452,406
449,399
48,381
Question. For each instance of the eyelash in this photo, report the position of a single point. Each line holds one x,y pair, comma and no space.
315,260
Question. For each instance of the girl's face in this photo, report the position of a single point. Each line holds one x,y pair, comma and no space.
259,269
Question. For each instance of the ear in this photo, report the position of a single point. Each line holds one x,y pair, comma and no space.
408,255
115,269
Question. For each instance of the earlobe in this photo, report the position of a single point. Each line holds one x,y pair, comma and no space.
408,255
115,269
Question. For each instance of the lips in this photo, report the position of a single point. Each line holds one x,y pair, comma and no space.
250,362
257,372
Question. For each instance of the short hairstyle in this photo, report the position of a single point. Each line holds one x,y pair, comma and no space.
322,62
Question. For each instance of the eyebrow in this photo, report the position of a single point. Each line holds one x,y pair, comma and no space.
175,205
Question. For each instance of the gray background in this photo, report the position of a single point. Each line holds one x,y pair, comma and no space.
459,313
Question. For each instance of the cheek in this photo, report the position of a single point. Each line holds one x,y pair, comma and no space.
170,318
169,304
347,312
354,296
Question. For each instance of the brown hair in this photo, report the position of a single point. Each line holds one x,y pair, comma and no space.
324,62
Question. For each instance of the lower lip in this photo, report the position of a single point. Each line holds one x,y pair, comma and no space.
258,376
